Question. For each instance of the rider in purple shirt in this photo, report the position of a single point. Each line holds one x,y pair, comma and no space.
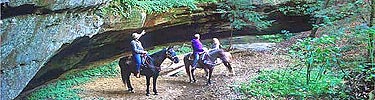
197,49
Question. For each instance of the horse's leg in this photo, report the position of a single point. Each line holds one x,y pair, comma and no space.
148,85
187,67
206,71
154,84
210,75
229,66
127,79
192,75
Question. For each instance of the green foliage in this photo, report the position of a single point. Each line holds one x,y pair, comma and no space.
204,1
241,14
291,83
62,89
359,82
365,35
317,52
183,49
370,45
332,13
285,35
180,49
272,38
125,7
301,7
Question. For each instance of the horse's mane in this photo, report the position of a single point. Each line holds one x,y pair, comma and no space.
159,53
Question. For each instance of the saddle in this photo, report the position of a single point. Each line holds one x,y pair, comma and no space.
203,58
148,63
191,57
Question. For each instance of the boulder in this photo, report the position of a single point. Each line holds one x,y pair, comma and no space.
28,41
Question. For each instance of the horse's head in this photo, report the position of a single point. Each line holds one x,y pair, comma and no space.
171,54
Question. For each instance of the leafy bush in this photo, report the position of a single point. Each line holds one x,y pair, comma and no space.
240,13
370,41
292,83
125,7
272,38
322,53
62,89
203,1
361,77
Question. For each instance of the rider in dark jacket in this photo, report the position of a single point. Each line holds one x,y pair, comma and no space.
215,44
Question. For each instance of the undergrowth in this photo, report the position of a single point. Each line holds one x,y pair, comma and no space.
62,89
292,83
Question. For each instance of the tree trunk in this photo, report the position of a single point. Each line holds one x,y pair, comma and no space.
371,35
231,41
372,13
319,20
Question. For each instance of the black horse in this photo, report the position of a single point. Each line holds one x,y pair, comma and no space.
151,69
208,67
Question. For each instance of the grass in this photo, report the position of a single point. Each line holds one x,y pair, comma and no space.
62,89
286,83
276,38
272,38
180,49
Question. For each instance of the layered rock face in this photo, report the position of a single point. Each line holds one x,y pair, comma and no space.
29,40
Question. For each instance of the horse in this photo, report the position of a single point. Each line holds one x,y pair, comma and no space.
152,69
211,56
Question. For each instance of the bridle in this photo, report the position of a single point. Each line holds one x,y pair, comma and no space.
170,56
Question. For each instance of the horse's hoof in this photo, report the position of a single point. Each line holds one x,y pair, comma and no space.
147,94
130,91
156,93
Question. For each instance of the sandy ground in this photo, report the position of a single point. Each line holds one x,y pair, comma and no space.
246,65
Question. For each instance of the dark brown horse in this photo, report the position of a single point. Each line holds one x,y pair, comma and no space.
208,67
152,69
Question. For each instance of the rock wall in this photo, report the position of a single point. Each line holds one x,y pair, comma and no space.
29,40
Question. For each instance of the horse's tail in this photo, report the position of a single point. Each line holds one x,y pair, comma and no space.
122,64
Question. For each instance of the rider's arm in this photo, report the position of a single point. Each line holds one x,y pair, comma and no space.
134,47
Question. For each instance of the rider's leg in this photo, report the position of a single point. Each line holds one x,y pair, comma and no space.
195,60
138,63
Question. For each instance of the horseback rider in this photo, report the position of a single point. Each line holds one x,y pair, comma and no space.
138,51
197,49
216,44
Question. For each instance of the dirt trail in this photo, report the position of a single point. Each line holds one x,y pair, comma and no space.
246,65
